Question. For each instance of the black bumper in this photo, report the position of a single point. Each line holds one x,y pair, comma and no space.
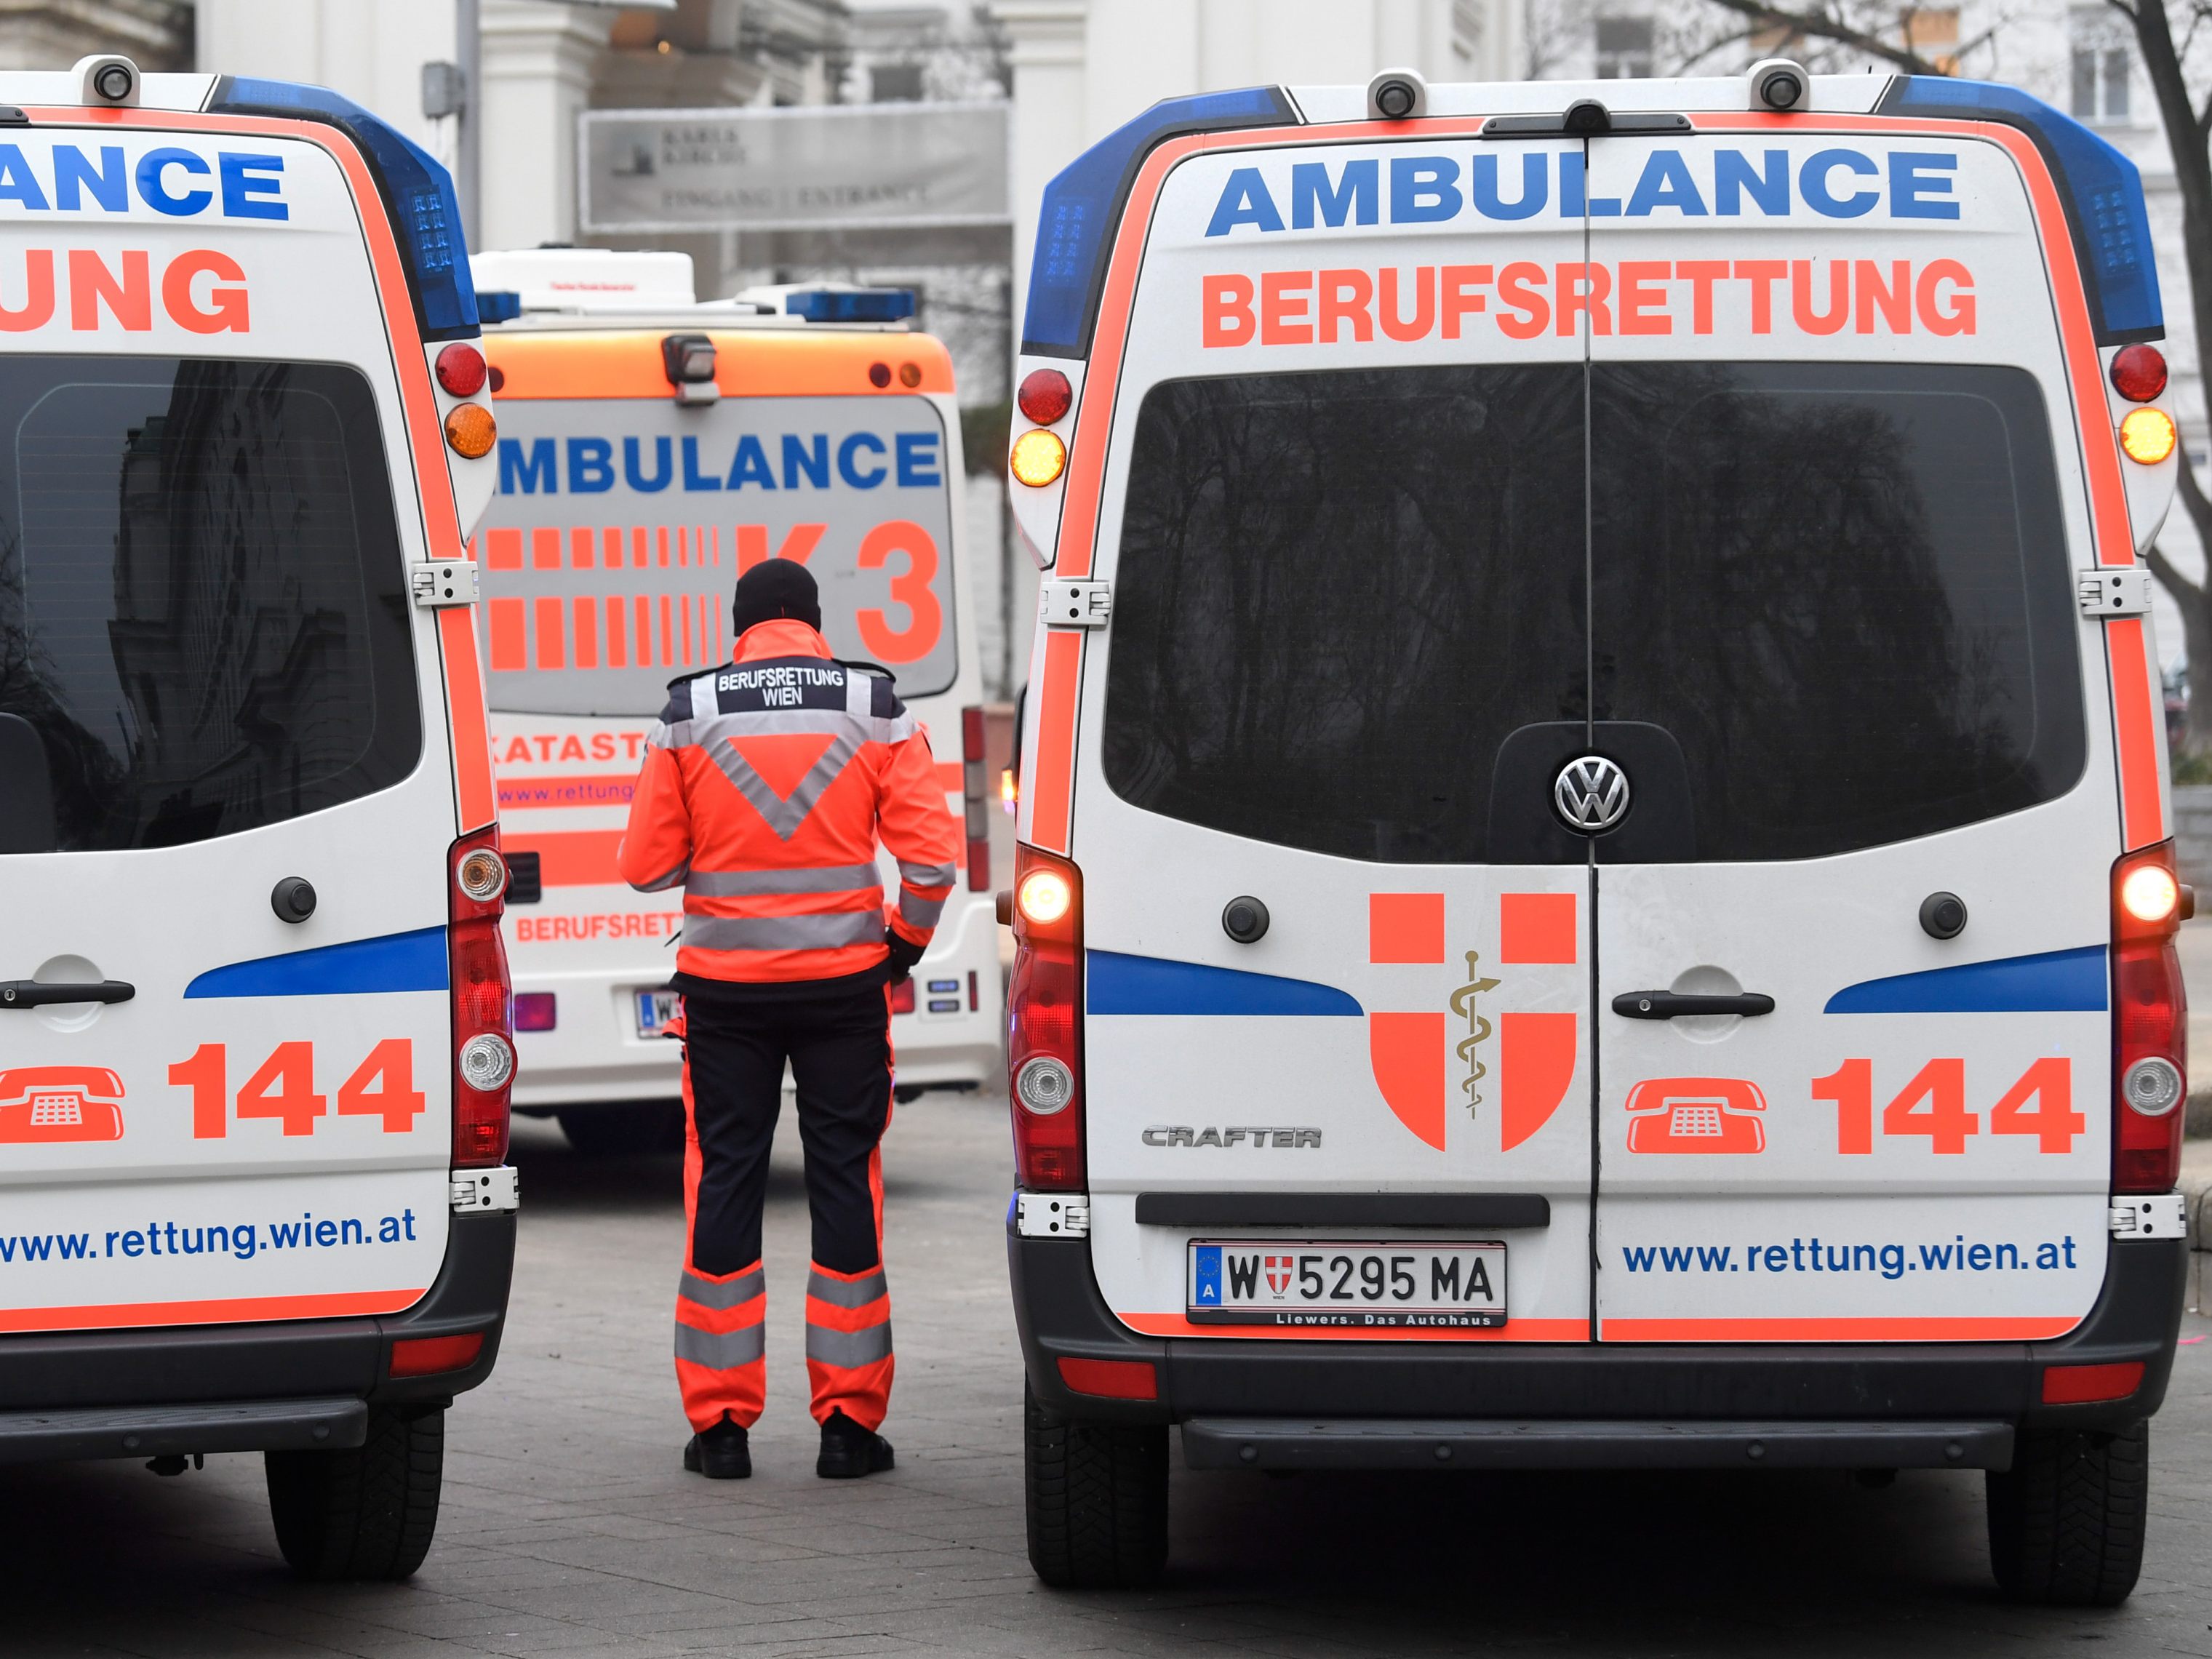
279,1385
1951,1387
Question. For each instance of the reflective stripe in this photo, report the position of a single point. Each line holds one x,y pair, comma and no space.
784,933
705,704
745,884
849,1349
721,1294
845,1293
919,911
660,883
784,813
723,1351
926,875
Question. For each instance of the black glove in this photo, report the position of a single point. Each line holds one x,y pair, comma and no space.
904,954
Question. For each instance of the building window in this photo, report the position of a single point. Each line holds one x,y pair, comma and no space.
1624,48
2101,66
1933,33
895,84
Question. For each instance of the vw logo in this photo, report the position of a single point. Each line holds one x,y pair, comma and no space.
1591,794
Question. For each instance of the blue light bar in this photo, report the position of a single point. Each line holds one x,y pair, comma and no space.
1075,228
867,305
2101,188
418,194
498,305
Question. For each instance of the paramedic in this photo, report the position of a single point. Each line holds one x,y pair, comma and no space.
765,787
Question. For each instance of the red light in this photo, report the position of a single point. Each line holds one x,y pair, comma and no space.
534,1010
1124,1379
1045,395
902,996
1044,1000
461,369
879,374
2078,1385
2139,373
477,971
2150,1019
427,1356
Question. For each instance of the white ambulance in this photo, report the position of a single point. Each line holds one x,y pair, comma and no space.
652,450
1596,886
253,1032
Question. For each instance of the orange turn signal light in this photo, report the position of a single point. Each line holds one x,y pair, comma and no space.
2147,435
1044,897
1039,457
472,430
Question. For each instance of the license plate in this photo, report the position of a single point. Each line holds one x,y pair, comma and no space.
657,1011
1376,1286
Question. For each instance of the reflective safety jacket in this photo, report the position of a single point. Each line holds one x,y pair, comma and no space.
766,784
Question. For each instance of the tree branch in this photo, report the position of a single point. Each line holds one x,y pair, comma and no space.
1829,28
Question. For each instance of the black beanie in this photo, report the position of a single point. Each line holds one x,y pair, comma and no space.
773,588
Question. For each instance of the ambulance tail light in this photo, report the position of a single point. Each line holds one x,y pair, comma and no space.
2151,1021
977,805
1044,1050
483,1040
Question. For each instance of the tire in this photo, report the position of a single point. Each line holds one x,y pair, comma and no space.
366,1513
2067,1520
1097,1495
648,1126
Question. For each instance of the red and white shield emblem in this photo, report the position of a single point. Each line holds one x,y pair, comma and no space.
1278,1273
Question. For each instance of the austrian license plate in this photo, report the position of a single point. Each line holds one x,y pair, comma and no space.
1377,1285
657,1011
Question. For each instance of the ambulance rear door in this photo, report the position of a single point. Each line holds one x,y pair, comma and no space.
215,1106
1838,495
1342,517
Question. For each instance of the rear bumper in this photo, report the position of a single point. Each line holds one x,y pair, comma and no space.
248,1388
1582,1394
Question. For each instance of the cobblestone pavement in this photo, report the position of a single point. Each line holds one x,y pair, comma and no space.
569,1530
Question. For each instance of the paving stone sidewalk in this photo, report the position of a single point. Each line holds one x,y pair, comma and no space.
569,1530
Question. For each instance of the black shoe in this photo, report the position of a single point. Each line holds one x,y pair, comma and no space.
849,1451
720,1453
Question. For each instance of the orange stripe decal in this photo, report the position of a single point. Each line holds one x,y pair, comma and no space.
570,858
230,1310
1054,784
457,642
1514,1330
1992,1329
627,363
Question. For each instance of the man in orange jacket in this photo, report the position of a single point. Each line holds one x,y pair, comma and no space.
766,785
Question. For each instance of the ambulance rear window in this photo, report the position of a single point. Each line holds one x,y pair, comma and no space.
203,614
1843,589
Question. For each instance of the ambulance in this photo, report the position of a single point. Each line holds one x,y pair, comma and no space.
651,450
1596,884
254,1054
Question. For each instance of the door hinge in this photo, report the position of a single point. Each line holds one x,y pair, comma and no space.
1070,602
2120,592
2164,1216
486,1189
443,582
1052,1215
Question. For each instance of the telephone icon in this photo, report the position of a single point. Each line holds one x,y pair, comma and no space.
1700,1115
40,1104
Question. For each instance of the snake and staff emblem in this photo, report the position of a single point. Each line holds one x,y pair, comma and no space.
1478,1030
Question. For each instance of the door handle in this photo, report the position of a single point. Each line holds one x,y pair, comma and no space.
1672,1005
31,994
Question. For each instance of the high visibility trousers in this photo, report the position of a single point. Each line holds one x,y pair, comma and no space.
839,1047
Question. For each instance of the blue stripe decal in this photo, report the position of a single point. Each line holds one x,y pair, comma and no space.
2052,982
1122,984
396,961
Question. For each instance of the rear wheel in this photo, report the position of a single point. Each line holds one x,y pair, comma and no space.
367,1512
2067,1519
646,1126
1097,1499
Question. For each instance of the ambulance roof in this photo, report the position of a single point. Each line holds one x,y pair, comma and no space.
2099,185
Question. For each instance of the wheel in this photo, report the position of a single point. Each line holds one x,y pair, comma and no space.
366,1513
1097,1495
646,1125
2067,1520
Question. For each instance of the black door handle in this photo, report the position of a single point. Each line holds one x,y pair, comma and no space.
30,993
1672,1004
